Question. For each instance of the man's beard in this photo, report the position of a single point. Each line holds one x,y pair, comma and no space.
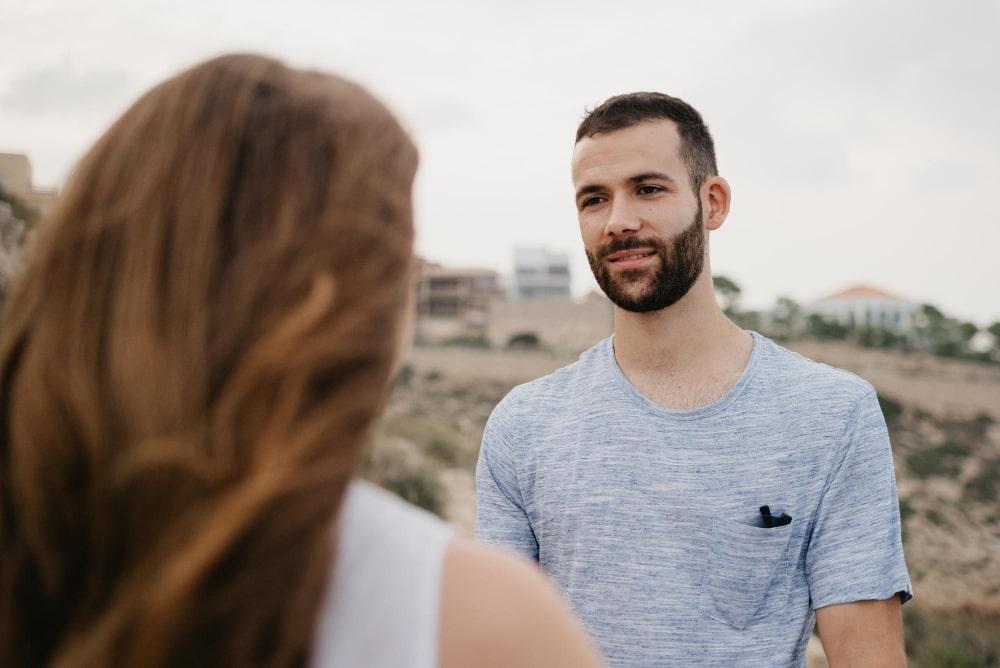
681,263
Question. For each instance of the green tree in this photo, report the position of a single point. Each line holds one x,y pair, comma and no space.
942,335
21,211
933,314
823,329
968,330
787,317
524,340
728,292
994,330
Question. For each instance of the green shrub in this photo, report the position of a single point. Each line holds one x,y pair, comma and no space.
891,409
980,424
435,437
444,451
984,418
420,487
877,337
524,340
19,209
404,376
947,349
906,510
951,639
934,517
397,466
942,460
971,429
985,486
825,330
951,656
468,342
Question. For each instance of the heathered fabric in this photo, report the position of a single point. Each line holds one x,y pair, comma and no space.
649,520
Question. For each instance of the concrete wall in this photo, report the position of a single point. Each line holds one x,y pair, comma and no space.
41,200
15,173
562,325
431,330
15,176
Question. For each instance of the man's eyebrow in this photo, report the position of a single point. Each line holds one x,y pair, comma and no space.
586,190
638,178
651,176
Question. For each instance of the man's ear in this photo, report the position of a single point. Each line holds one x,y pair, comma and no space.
716,197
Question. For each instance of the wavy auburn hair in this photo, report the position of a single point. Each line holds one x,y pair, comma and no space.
189,365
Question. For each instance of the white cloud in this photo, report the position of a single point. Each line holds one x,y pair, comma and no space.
62,89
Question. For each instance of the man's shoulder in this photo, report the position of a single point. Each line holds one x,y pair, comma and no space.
549,395
809,379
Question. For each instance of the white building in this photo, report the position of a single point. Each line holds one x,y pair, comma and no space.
539,273
453,303
15,178
866,306
447,292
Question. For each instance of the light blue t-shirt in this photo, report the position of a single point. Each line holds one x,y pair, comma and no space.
649,518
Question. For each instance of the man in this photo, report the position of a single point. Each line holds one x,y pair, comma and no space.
703,496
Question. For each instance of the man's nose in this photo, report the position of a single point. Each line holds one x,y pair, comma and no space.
623,219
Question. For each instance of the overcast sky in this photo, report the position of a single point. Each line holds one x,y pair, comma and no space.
860,138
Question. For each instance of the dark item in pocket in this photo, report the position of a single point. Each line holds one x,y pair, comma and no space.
770,521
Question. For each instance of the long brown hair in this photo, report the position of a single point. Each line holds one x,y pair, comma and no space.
189,364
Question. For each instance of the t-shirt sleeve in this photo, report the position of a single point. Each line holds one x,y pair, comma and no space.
855,552
500,515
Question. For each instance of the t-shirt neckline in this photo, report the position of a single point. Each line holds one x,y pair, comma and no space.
720,404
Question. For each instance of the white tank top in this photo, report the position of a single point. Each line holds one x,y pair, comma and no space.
381,608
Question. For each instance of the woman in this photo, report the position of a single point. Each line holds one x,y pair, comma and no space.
189,366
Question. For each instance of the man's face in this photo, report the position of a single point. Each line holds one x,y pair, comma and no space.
641,223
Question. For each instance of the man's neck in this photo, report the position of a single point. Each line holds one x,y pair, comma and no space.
685,355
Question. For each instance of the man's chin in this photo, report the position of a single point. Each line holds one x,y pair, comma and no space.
631,287
637,306
629,300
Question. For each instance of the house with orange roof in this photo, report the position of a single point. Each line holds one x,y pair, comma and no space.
868,306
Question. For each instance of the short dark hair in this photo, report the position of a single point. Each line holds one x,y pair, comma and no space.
624,111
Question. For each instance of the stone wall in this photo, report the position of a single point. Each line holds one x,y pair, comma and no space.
563,326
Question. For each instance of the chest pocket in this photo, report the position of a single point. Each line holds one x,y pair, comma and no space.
745,564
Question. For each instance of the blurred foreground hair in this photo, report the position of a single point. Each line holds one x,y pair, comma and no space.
189,365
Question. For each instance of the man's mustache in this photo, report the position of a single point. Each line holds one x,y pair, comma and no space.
629,243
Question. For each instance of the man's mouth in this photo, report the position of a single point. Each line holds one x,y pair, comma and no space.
631,258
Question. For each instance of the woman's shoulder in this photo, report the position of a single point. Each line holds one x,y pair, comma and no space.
499,610
407,592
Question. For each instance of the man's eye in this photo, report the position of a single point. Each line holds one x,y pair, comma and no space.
649,190
590,201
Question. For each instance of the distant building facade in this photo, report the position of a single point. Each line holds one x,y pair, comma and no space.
867,306
454,302
16,179
540,274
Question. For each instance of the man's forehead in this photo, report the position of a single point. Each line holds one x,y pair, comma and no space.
654,143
